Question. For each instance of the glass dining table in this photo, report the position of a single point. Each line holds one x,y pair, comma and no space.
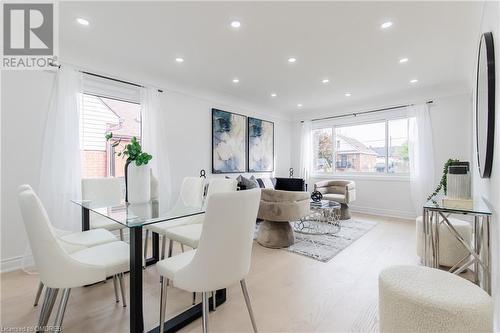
135,217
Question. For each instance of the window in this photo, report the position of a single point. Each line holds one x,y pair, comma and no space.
379,147
101,115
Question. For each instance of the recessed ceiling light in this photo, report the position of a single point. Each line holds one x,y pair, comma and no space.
235,24
403,60
236,80
299,105
386,25
179,60
347,94
82,21
413,81
292,60
325,81
274,95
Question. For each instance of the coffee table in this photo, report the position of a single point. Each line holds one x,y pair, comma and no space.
324,219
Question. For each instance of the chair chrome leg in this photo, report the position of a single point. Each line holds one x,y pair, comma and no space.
50,299
205,311
194,298
122,287
145,252
38,293
182,248
249,305
121,235
116,288
163,245
214,303
170,247
163,301
62,309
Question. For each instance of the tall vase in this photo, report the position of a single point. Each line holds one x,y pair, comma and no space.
138,183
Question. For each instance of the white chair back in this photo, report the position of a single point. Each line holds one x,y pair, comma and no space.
191,194
57,269
220,185
105,191
225,247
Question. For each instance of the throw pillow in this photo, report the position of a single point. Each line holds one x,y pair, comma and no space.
248,183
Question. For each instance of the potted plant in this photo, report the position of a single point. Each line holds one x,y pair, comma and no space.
137,171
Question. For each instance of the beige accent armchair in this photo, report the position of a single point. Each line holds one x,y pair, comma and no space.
341,191
277,208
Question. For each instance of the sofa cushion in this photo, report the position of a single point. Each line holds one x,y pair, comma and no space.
266,182
340,198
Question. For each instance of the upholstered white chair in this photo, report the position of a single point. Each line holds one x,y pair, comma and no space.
108,192
60,270
223,254
416,299
189,234
341,191
191,195
76,241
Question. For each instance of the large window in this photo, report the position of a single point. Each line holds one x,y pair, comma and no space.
101,115
379,147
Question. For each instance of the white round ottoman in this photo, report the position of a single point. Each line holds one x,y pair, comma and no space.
451,250
423,299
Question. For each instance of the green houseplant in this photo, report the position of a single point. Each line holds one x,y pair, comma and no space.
137,173
442,184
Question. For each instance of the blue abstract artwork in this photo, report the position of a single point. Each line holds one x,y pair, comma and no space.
260,145
229,134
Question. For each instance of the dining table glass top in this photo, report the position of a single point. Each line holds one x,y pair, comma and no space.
136,215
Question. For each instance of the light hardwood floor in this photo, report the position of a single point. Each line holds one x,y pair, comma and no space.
289,292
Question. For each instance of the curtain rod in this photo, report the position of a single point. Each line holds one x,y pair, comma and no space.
107,77
367,112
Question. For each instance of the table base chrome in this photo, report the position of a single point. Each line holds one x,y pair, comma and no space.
323,220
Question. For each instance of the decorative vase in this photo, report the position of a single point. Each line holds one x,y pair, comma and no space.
458,181
137,183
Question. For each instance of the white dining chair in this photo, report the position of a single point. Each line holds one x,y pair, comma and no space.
75,241
191,195
189,234
107,192
60,270
223,255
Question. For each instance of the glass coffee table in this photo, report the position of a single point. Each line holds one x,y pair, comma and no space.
324,219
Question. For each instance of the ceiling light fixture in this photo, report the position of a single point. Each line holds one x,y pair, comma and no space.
82,21
236,80
292,60
235,24
347,94
386,25
413,81
325,81
179,60
274,95
403,60
299,105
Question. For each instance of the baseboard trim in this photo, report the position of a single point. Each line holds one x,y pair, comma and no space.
383,212
11,264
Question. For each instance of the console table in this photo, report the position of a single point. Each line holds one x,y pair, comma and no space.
435,213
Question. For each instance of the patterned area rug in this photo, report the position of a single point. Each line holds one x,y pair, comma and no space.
325,247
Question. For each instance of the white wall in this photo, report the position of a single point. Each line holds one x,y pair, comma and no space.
25,97
489,189
450,117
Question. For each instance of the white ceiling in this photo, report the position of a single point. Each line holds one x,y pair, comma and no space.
341,41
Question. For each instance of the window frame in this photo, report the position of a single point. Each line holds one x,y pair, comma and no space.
361,120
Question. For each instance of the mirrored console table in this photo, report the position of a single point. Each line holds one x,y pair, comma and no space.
435,214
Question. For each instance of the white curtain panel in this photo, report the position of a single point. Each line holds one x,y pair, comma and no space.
421,153
154,142
305,156
60,172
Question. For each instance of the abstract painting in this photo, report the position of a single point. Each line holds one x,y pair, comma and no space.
260,145
229,132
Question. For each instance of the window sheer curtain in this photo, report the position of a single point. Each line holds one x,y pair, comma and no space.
305,156
154,139
421,153
60,172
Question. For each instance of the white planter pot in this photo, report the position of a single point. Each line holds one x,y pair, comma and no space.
138,183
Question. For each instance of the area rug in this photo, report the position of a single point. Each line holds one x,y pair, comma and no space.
325,247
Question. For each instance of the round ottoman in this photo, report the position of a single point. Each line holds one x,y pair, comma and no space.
451,250
423,299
